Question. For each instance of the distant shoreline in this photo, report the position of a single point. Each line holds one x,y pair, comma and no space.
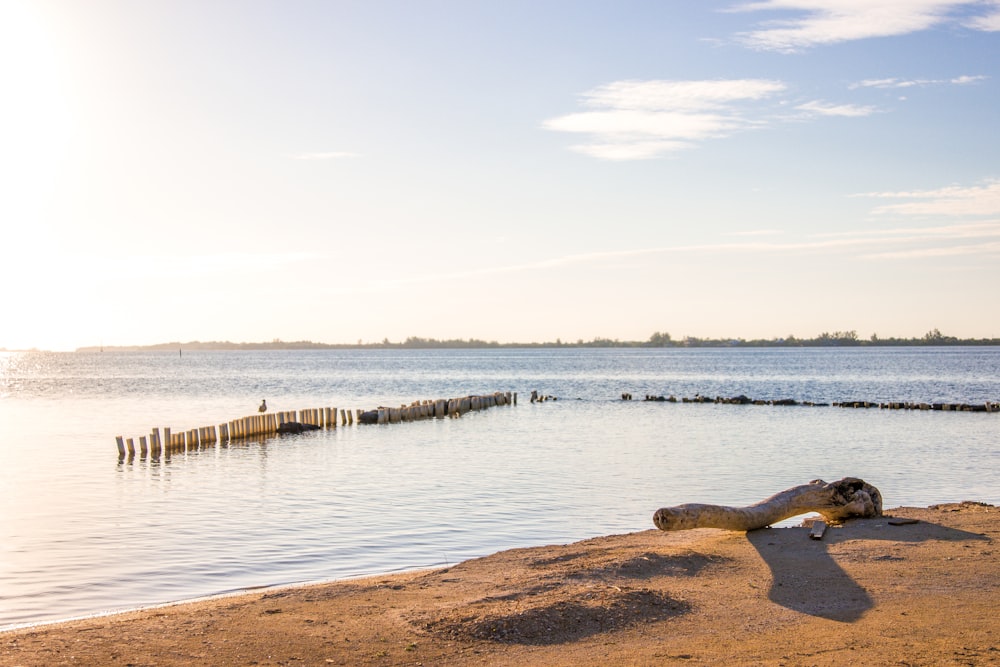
431,344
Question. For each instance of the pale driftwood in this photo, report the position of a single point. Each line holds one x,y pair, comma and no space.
818,530
836,501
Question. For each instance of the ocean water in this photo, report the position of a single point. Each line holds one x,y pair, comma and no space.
83,533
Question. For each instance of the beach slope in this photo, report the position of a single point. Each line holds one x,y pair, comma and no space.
874,591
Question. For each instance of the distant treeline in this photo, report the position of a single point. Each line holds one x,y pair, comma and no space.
658,339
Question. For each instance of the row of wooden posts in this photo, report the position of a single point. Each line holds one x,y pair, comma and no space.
269,423
988,406
436,409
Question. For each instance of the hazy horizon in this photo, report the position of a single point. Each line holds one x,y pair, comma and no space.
836,338
514,171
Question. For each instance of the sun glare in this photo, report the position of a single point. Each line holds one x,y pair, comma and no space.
34,119
35,132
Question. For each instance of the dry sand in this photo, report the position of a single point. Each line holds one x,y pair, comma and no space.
870,592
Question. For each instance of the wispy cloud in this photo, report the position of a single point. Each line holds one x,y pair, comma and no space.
633,120
757,232
990,249
825,22
963,80
887,244
988,22
332,155
826,109
954,200
965,231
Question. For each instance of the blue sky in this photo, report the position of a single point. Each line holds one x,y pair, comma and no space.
512,171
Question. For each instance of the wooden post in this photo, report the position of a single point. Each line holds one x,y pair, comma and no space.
142,445
121,446
131,447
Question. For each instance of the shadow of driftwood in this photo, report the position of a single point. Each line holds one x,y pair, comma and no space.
806,578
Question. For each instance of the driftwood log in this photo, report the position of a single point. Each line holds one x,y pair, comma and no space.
836,501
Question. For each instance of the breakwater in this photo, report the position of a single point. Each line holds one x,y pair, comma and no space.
987,406
166,441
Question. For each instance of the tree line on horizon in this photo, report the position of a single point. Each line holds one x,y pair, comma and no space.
657,339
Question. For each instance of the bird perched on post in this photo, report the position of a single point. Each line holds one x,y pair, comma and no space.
263,406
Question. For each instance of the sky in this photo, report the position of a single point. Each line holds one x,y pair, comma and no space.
517,171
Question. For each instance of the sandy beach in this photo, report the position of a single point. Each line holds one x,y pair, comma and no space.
881,591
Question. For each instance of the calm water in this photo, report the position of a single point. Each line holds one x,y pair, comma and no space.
81,533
